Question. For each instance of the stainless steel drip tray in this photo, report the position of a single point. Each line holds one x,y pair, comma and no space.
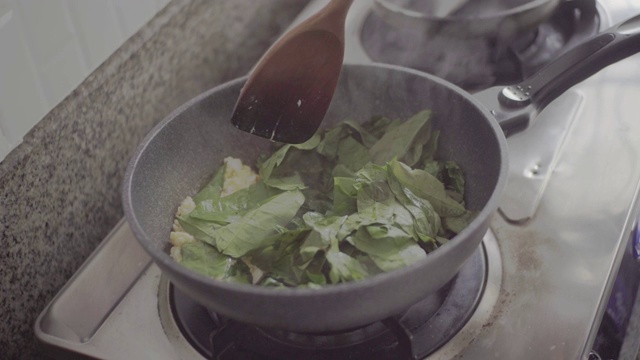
102,311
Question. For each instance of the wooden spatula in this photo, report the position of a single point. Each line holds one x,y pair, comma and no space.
289,90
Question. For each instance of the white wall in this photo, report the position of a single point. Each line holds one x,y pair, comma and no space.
48,47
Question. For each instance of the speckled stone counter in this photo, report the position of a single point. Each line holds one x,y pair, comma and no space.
60,189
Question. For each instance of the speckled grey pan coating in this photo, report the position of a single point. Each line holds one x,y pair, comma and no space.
182,152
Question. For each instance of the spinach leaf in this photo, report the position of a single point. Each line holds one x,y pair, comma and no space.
426,222
404,142
258,225
457,223
454,177
276,159
200,229
223,210
389,247
352,154
376,202
427,187
327,227
213,188
280,261
328,146
292,182
377,126
372,172
345,192
206,260
360,133
344,267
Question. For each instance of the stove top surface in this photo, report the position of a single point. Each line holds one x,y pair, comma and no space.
564,223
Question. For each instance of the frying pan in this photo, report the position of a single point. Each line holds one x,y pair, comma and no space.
181,153
496,19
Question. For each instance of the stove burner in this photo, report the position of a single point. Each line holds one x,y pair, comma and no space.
422,329
479,63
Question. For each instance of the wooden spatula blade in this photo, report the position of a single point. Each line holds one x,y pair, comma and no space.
286,98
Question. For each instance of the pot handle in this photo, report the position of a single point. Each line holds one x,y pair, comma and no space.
515,105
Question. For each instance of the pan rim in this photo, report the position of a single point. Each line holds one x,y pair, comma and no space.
163,259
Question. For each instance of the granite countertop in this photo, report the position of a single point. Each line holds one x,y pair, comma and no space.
60,189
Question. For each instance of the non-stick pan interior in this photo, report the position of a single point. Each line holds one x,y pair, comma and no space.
182,153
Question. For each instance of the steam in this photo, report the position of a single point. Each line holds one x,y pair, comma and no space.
462,61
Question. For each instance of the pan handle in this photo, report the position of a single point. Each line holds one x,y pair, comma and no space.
517,104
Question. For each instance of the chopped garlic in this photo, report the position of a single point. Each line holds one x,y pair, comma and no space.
179,238
237,176
176,253
177,226
186,207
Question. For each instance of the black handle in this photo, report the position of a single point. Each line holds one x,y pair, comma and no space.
518,103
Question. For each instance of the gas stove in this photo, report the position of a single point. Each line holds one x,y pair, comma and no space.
556,277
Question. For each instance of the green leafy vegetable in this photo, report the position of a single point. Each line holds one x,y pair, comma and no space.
404,142
426,186
206,260
258,225
355,200
388,246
